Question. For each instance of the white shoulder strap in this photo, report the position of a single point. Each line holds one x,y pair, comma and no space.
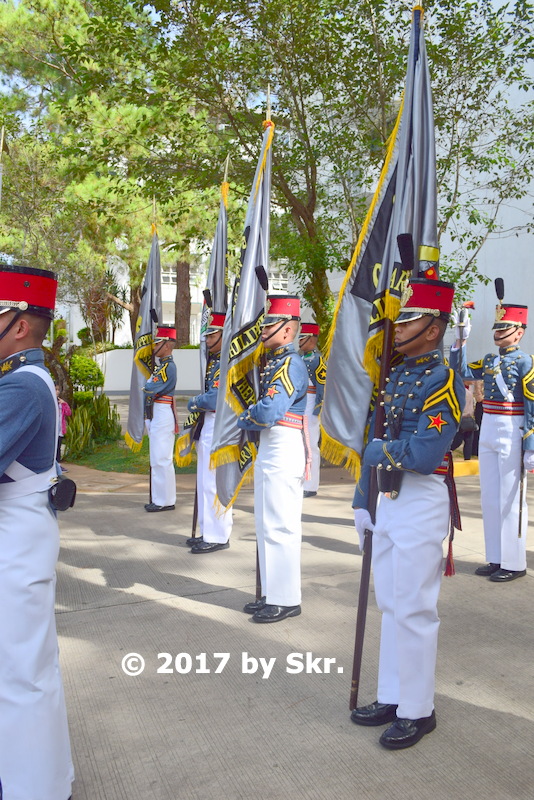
24,480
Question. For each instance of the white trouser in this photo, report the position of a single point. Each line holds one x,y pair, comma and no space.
161,440
278,475
35,757
407,566
213,528
312,485
499,456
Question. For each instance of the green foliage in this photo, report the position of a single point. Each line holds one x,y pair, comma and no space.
79,435
82,399
84,335
113,103
93,422
85,373
106,420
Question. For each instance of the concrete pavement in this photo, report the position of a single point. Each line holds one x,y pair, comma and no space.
201,725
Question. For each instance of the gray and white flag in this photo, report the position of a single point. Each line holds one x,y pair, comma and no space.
145,331
405,202
234,450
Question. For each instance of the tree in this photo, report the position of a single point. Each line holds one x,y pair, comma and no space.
158,94
97,204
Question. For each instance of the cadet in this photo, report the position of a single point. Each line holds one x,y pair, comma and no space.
506,443
309,333
214,530
280,463
423,400
161,422
35,757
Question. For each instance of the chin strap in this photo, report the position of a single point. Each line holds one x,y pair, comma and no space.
431,321
13,321
218,340
500,338
284,321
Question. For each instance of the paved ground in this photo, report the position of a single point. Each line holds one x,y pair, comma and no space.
192,727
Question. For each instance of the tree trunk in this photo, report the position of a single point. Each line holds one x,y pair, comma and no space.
135,302
183,303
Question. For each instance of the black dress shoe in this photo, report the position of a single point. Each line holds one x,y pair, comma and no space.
310,494
154,507
255,605
374,714
194,540
275,613
407,732
209,547
487,570
503,575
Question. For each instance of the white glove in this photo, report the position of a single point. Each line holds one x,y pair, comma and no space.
363,522
462,323
528,460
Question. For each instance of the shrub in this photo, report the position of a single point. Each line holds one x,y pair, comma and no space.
84,335
79,435
93,421
106,420
82,399
85,373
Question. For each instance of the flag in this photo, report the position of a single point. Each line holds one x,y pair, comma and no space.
405,202
216,284
145,331
234,450
216,299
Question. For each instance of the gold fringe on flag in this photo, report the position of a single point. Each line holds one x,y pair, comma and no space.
182,442
226,455
340,454
132,444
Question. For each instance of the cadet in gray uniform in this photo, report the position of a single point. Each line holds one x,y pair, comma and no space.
35,757
280,464
316,367
161,422
423,401
506,443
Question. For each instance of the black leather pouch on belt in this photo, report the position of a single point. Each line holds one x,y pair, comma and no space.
62,494
389,482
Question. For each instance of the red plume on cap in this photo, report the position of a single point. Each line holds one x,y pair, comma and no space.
27,289
469,304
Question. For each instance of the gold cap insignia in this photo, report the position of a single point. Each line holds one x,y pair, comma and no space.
406,294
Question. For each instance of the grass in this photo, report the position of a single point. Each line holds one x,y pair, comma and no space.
117,457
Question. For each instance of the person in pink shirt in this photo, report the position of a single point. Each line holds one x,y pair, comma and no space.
64,412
